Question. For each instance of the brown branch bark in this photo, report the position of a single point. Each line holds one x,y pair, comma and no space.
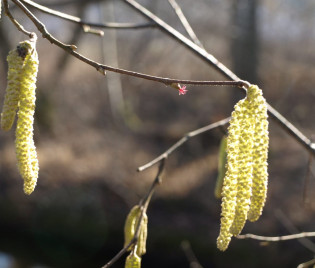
227,73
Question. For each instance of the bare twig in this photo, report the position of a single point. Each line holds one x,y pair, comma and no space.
14,21
185,22
307,264
144,203
276,238
102,68
307,178
182,141
283,122
287,223
210,59
190,255
74,19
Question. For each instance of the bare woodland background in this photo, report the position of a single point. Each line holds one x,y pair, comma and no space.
90,138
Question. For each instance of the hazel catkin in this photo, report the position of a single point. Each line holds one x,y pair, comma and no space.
245,182
131,224
133,261
24,143
260,154
16,63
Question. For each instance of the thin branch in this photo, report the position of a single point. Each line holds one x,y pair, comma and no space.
157,181
190,255
210,59
307,264
185,22
144,203
287,223
307,179
14,21
177,36
276,238
102,68
182,141
288,127
109,25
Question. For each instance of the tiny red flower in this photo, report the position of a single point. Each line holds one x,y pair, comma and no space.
182,90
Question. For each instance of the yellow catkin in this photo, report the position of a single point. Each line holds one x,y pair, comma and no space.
16,60
24,143
142,242
245,181
131,224
229,190
133,261
260,154
244,168
221,168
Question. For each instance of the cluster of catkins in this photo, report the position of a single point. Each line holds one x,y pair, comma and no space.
20,98
134,258
245,182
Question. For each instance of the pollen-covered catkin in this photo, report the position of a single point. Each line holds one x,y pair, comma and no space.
24,143
244,168
260,153
229,190
16,61
245,182
133,261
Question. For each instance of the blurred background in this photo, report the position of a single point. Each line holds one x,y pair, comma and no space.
92,132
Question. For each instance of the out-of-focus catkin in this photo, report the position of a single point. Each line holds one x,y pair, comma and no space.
245,181
131,224
221,168
25,91
133,261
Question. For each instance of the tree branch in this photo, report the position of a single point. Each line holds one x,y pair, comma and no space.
144,203
185,22
276,238
182,141
14,21
109,25
210,59
102,68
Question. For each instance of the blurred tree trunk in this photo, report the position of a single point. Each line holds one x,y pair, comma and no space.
245,40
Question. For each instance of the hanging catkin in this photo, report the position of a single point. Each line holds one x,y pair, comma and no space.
16,61
20,94
25,147
131,224
260,154
245,181
133,261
